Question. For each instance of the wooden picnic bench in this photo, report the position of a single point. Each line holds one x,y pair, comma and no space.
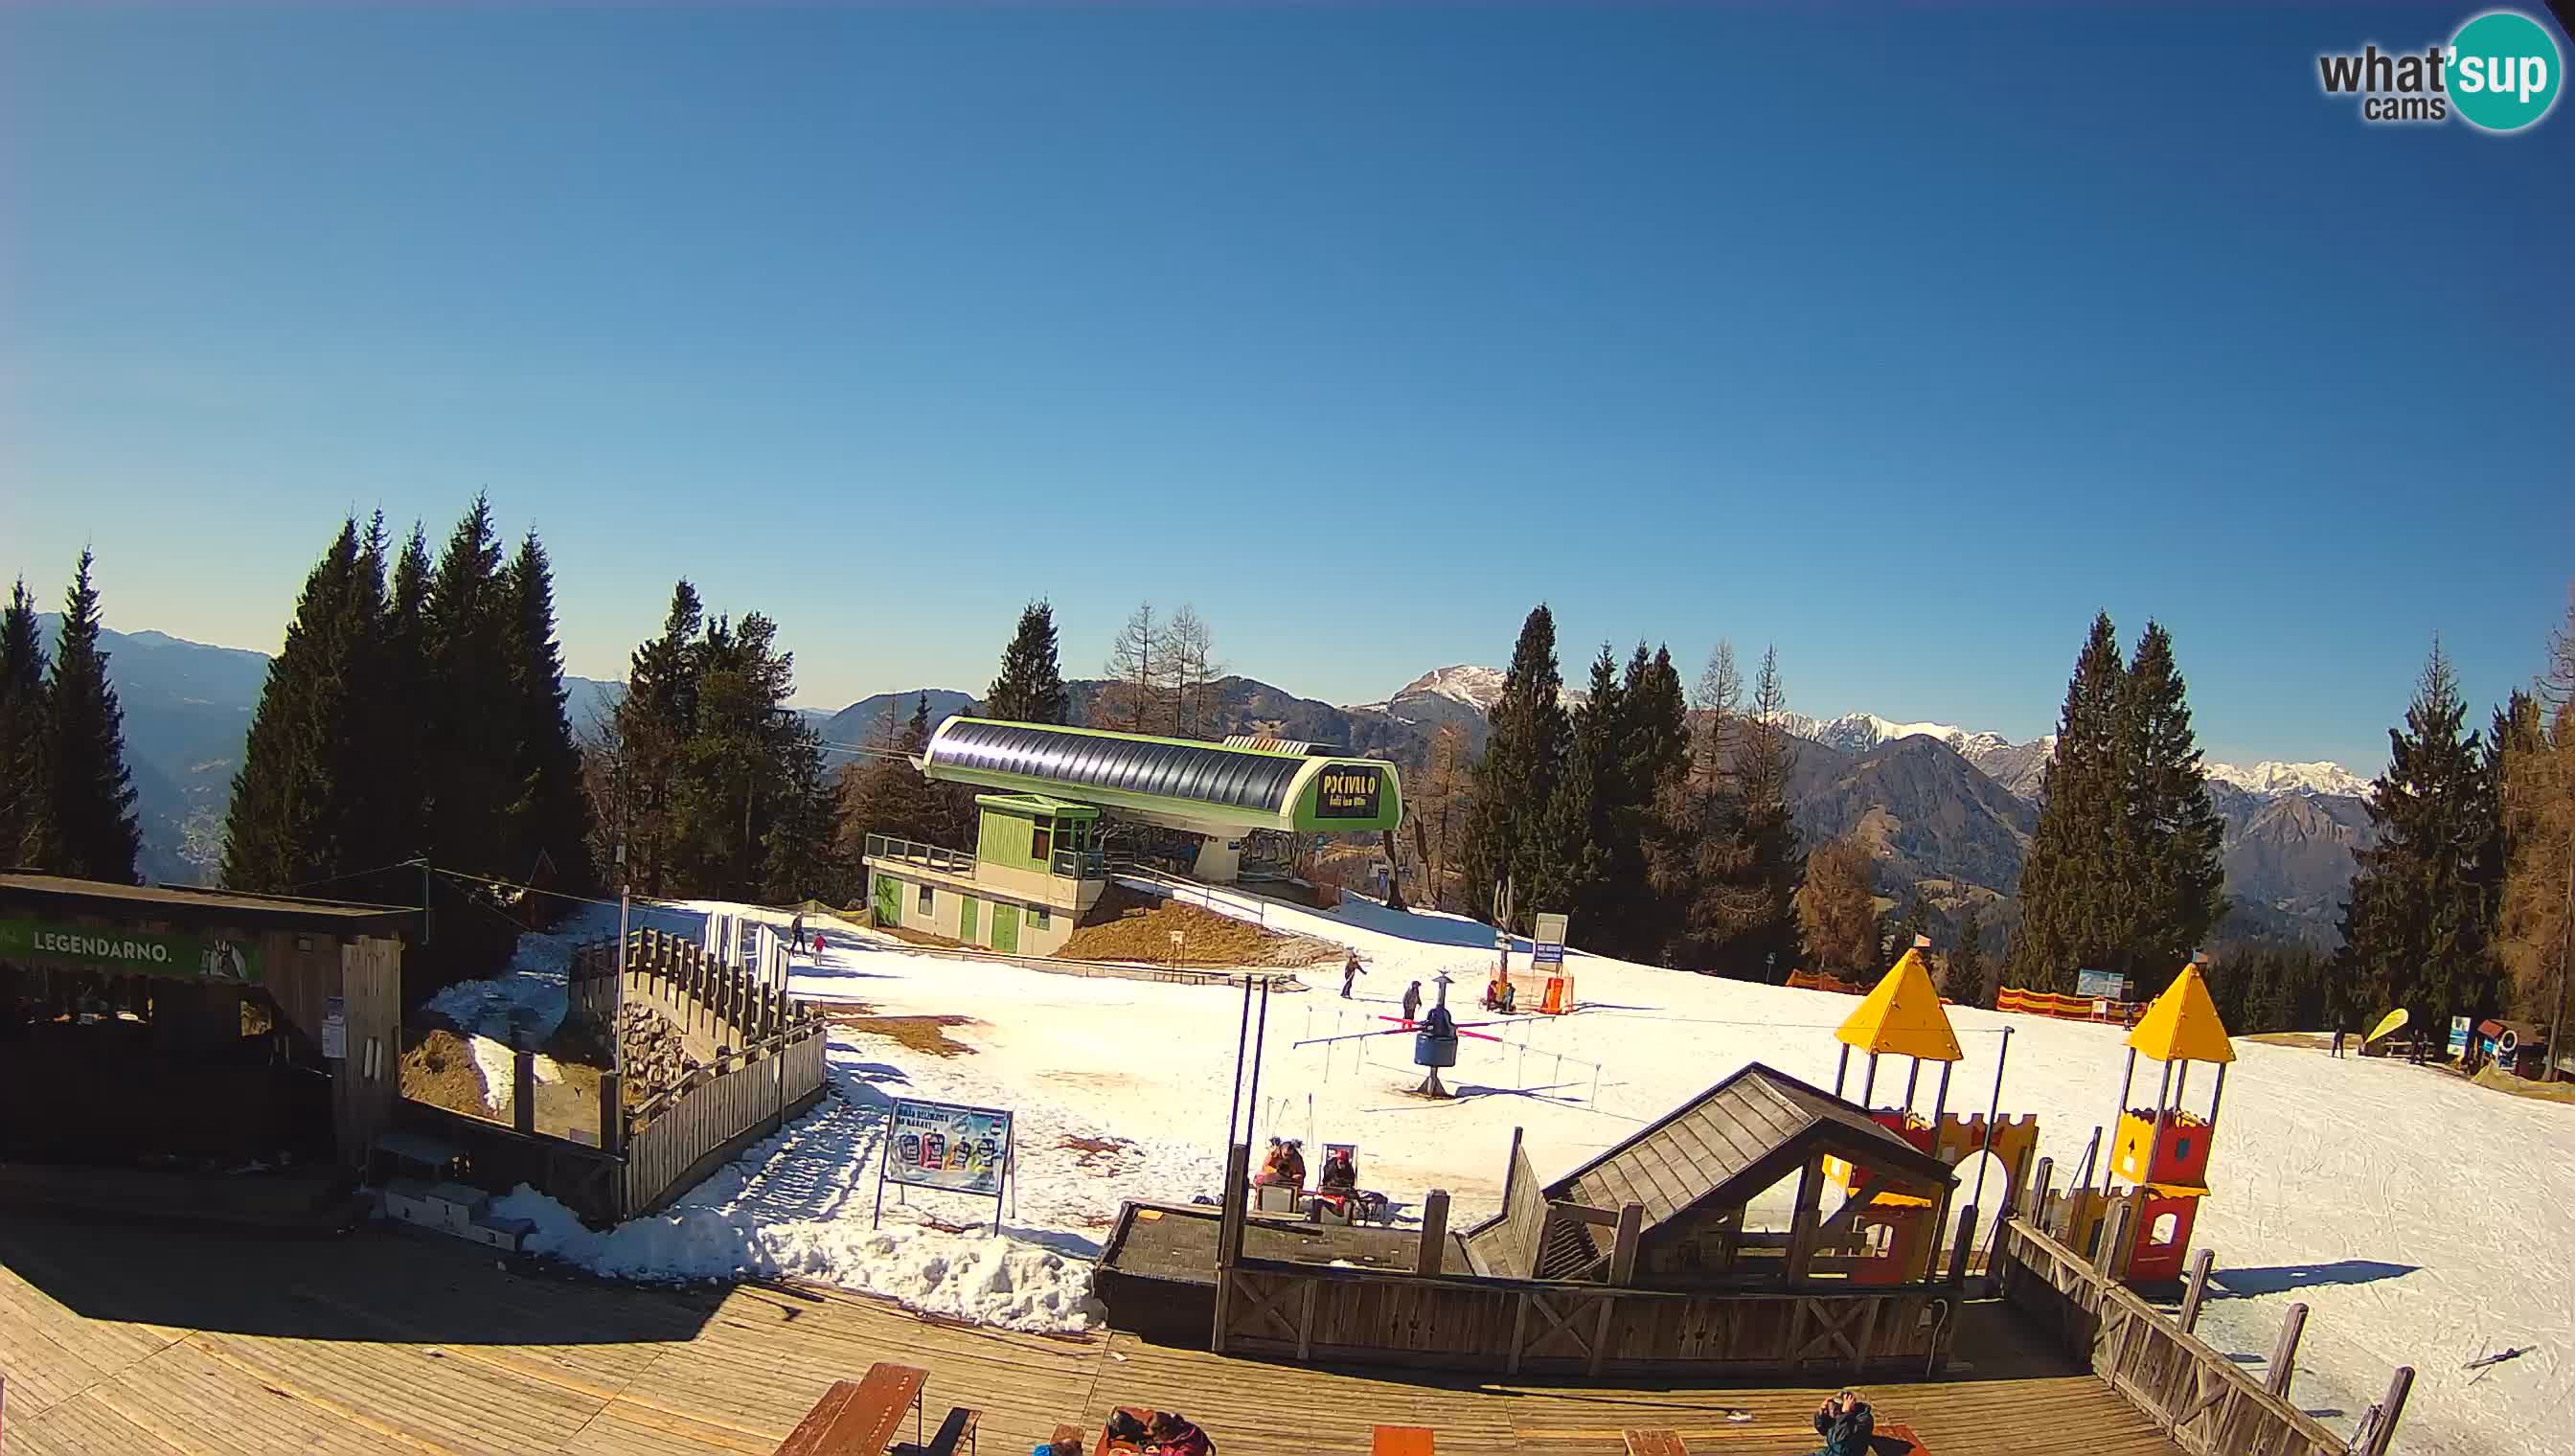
859,1417
1400,1441
1654,1443
956,1430
1887,1435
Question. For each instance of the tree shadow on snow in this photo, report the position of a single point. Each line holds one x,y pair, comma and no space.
2283,1278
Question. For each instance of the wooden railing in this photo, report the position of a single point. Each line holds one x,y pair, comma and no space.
684,1133
1536,1327
711,1001
2204,1401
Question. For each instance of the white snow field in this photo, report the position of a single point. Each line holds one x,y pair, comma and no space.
2423,1220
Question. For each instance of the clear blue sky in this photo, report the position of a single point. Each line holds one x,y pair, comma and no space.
1905,341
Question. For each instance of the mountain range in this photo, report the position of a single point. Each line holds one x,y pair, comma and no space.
1944,809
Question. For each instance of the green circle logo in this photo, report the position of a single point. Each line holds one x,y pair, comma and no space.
2506,71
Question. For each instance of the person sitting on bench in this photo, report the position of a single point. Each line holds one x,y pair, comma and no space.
1171,1435
1846,1424
1269,1165
1341,1175
1072,1447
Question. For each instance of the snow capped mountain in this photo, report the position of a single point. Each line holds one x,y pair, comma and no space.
1465,684
2271,779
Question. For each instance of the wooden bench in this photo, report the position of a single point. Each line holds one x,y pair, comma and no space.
956,1430
1400,1441
859,1417
1889,1438
1654,1443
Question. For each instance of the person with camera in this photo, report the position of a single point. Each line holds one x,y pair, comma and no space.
1846,1424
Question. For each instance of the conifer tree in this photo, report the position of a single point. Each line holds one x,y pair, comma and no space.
288,825
1772,863
2538,815
801,848
651,727
2077,862
1837,911
2418,926
1966,970
548,817
22,732
1580,822
2172,831
398,738
473,710
1514,782
89,797
1029,688
1914,922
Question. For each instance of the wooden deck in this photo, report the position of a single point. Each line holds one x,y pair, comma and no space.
154,1341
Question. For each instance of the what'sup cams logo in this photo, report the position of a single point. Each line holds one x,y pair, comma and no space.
2500,73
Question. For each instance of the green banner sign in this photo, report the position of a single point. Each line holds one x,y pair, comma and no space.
132,953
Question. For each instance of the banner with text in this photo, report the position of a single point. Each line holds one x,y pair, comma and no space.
943,1145
133,952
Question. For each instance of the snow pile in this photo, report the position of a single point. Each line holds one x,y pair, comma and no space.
980,1279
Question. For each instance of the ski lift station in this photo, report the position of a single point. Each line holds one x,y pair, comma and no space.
1037,865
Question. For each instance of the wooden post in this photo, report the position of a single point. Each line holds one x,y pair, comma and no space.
2114,1227
1623,1254
2284,1351
1434,1232
2038,1195
611,1113
1228,1234
522,1089
1966,1245
2383,1434
2198,1289
1802,1228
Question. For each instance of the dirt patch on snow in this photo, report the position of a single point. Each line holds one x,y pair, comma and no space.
920,1033
1127,924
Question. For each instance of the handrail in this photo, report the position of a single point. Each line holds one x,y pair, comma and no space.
914,852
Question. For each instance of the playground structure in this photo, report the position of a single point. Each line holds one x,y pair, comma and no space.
2160,1153
1899,1223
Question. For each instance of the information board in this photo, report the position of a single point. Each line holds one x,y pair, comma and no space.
2102,985
1547,936
1348,791
948,1146
2458,1038
191,958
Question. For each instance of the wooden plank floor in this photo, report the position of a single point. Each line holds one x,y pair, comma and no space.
172,1342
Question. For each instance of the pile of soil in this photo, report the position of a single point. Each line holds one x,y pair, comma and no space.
1127,924
920,1033
438,1069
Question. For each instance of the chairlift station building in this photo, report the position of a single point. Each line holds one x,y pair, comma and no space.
1037,865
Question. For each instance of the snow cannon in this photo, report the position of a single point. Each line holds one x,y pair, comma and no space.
2162,1152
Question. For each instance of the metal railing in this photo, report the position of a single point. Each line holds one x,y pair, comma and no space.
1065,863
913,852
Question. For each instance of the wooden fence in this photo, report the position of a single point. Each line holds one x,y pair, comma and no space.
2203,1400
683,1134
764,1066
1536,1327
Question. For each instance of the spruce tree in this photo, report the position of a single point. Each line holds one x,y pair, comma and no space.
475,713
2076,862
1031,686
287,824
89,797
1967,972
22,732
1581,822
400,713
2418,926
2172,832
801,859
653,724
549,818
1514,782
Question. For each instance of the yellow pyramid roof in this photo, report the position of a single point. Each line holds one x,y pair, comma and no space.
1903,1016
2182,1025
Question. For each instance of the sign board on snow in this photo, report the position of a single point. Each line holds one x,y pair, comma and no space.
1548,938
944,1145
2101,986
2458,1036
335,1026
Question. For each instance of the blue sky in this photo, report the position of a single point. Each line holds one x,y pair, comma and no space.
1904,340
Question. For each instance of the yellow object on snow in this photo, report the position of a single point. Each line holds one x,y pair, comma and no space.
1903,1016
2388,1025
2182,1025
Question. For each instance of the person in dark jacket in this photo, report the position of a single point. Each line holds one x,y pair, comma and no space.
796,932
1412,1002
1171,1435
1846,1424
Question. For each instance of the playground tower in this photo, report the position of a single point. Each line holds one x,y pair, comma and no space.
2161,1152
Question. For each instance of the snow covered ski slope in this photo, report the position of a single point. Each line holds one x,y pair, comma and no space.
2423,1220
